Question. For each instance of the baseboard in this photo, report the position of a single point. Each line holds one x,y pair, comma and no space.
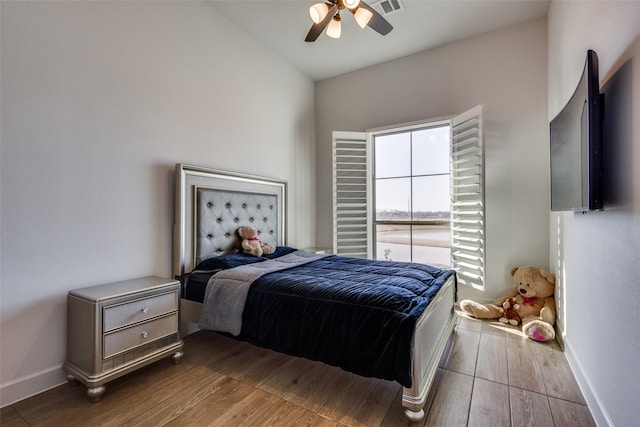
22,388
594,403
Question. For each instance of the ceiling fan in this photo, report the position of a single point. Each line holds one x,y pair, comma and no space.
327,15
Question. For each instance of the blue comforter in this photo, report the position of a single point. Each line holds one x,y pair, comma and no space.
356,314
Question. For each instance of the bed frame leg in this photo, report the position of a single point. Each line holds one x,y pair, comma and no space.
414,416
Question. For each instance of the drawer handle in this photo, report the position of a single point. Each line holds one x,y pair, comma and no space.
145,310
145,334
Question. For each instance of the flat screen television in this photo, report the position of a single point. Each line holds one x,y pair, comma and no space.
576,146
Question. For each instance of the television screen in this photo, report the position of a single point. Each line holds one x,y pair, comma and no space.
576,142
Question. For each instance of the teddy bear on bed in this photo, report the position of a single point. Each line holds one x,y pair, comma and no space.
251,243
533,290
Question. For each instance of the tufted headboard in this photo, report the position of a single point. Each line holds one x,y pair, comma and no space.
211,204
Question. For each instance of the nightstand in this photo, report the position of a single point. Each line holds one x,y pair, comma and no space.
115,328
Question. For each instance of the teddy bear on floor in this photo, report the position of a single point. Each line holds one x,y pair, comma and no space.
533,290
251,243
510,313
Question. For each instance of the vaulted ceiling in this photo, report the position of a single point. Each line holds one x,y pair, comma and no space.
420,25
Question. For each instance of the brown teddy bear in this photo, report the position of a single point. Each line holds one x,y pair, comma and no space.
510,314
533,290
251,243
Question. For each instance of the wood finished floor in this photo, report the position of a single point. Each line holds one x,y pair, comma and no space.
489,376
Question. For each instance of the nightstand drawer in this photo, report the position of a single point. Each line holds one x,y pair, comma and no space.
126,339
119,315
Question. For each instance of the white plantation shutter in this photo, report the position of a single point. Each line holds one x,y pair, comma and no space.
351,187
467,198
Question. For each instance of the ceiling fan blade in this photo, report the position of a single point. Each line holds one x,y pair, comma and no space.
317,29
377,22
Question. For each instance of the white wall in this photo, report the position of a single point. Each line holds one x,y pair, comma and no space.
99,101
503,70
595,255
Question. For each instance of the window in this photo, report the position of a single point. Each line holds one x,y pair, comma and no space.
411,195
401,209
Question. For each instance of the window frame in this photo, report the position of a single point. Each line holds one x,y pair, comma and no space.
389,131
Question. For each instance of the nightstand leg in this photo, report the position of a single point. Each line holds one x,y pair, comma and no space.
177,357
72,380
95,393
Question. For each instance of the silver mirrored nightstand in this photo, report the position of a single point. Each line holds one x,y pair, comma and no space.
115,328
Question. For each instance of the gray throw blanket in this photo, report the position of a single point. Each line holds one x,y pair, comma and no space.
227,290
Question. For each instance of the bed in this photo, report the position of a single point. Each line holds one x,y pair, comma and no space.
374,318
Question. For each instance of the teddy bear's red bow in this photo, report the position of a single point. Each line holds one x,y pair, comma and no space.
530,301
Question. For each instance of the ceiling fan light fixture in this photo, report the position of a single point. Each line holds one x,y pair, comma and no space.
335,27
351,4
318,12
362,16
326,18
